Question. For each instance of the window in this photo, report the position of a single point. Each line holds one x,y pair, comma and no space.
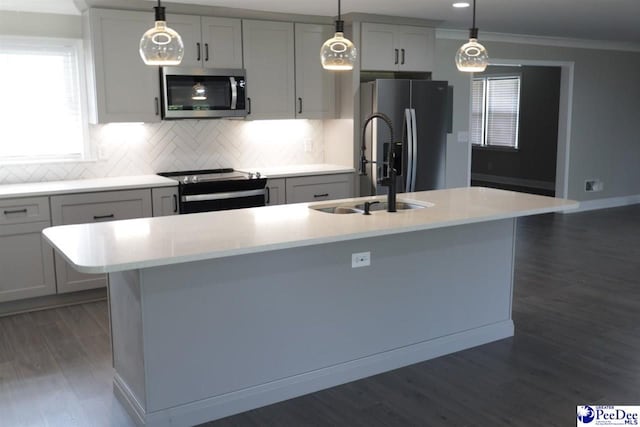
495,111
42,113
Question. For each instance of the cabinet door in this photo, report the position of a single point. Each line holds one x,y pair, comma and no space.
276,192
188,26
269,61
321,187
379,51
123,88
94,207
315,86
26,262
165,201
222,42
416,48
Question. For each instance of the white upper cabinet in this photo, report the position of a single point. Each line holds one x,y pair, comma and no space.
122,88
209,42
269,61
397,48
315,86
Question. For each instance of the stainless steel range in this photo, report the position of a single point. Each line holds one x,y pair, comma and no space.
219,189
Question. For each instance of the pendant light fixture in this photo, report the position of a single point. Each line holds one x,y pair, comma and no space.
161,45
338,53
472,57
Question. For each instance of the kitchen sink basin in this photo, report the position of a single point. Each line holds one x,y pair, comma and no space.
382,206
338,209
359,208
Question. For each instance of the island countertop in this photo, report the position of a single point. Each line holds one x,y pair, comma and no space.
149,242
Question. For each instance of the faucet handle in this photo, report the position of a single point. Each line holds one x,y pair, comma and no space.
367,207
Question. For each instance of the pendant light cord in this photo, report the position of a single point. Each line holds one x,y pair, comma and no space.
339,16
474,13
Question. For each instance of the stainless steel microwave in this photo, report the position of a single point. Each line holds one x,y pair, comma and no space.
197,93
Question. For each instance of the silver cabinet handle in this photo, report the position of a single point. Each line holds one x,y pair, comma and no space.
97,217
224,196
402,62
396,61
206,51
17,211
299,105
198,49
157,104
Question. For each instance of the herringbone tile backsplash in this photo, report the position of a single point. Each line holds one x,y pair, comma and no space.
137,149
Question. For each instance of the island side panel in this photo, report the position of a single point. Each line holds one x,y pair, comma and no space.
127,337
248,322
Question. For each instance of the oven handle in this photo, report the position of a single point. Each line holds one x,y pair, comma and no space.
223,196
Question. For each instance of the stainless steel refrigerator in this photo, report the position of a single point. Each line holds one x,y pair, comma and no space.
420,111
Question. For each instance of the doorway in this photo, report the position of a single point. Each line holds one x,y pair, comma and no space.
538,161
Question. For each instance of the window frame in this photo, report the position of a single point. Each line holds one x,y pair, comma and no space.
485,113
76,46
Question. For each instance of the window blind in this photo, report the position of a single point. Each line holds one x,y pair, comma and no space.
477,111
503,105
41,115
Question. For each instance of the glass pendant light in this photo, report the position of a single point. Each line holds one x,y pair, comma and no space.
198,92
161,45
338,53
472,57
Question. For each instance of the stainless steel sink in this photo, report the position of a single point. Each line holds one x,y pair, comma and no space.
338,209
359,208
382,206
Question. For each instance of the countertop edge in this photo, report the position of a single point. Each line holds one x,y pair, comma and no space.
54,188
96,269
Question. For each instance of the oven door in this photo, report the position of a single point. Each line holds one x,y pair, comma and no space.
222,195
202,93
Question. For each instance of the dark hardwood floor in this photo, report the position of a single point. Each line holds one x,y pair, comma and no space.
577,316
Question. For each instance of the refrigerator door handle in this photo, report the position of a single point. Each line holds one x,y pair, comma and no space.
414,150
409,124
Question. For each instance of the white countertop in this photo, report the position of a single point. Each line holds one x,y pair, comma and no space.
147,242
299,170
32,189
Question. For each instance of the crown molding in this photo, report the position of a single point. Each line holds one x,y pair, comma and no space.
449,34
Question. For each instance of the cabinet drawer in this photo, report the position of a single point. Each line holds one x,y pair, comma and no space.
24,210
104,206
317,188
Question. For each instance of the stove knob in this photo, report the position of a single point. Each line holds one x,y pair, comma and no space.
258,175
194,178
250,175
185,180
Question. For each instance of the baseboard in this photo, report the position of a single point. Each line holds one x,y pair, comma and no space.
254,397
611,202
10,308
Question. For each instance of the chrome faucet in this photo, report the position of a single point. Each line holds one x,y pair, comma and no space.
389,180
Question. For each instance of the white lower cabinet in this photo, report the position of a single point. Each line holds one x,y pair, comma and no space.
319,187
94,207
276,192
26,261
165,201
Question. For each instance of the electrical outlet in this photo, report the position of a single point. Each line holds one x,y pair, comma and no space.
308,145
593,185
361,259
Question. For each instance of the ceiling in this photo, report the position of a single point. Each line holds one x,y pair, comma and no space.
612,20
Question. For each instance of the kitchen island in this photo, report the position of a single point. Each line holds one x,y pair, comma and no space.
216,313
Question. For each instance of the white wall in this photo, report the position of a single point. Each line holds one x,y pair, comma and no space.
605,110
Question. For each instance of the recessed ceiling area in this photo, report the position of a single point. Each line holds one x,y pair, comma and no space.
613,20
